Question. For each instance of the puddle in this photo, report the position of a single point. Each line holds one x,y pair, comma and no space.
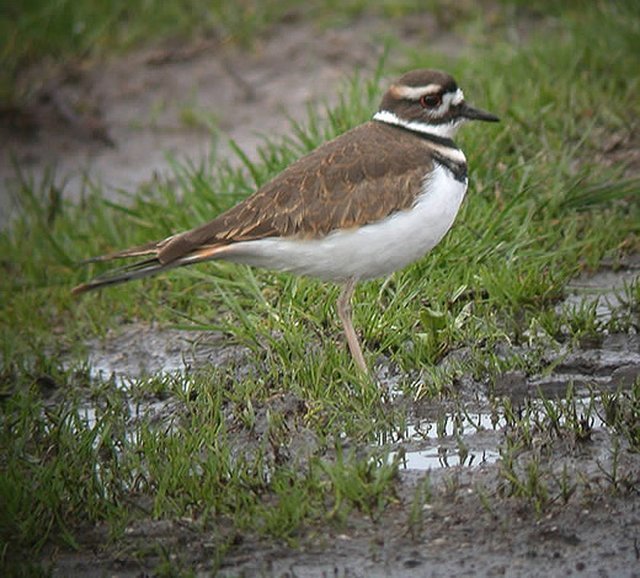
137,350
450,440
473,439
448,426
604,289
153,410
437,436
434,458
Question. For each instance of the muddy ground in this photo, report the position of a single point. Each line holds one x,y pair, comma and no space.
471,524
459,537
114,122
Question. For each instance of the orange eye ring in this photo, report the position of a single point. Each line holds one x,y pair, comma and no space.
430,100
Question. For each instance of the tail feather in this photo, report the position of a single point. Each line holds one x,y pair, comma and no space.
138,251
123,274
146,267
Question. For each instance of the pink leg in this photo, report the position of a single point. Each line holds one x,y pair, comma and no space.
344,312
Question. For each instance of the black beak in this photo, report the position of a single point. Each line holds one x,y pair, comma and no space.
471,113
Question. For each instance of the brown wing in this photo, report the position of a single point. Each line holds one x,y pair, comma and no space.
352,180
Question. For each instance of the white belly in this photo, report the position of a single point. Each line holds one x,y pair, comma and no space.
371,251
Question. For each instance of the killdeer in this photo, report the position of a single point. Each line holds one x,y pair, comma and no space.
363,205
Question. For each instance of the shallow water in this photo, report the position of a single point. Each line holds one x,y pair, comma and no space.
472,439
434,458
443,438
604,289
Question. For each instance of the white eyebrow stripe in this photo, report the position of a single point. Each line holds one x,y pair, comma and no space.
415,92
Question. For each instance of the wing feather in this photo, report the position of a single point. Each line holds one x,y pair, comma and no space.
353,180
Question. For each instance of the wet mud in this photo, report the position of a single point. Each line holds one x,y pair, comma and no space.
473,522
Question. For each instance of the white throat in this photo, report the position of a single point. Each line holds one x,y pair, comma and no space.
446,130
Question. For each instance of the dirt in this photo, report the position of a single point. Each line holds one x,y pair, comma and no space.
471,525
115,122
596,533
459,538
137,350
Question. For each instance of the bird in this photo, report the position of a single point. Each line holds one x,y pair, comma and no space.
371,201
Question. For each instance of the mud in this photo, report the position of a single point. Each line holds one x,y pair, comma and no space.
138,350
469,527
472,523
604,289
460,539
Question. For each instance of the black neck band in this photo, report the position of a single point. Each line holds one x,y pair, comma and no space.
458,170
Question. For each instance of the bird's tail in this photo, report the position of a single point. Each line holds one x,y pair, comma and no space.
147,267
123,274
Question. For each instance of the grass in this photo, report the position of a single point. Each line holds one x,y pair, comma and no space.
545,433
288,443
70,30
76,30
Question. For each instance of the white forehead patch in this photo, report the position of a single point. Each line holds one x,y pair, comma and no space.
457,97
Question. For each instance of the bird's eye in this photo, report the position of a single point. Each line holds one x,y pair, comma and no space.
430,100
